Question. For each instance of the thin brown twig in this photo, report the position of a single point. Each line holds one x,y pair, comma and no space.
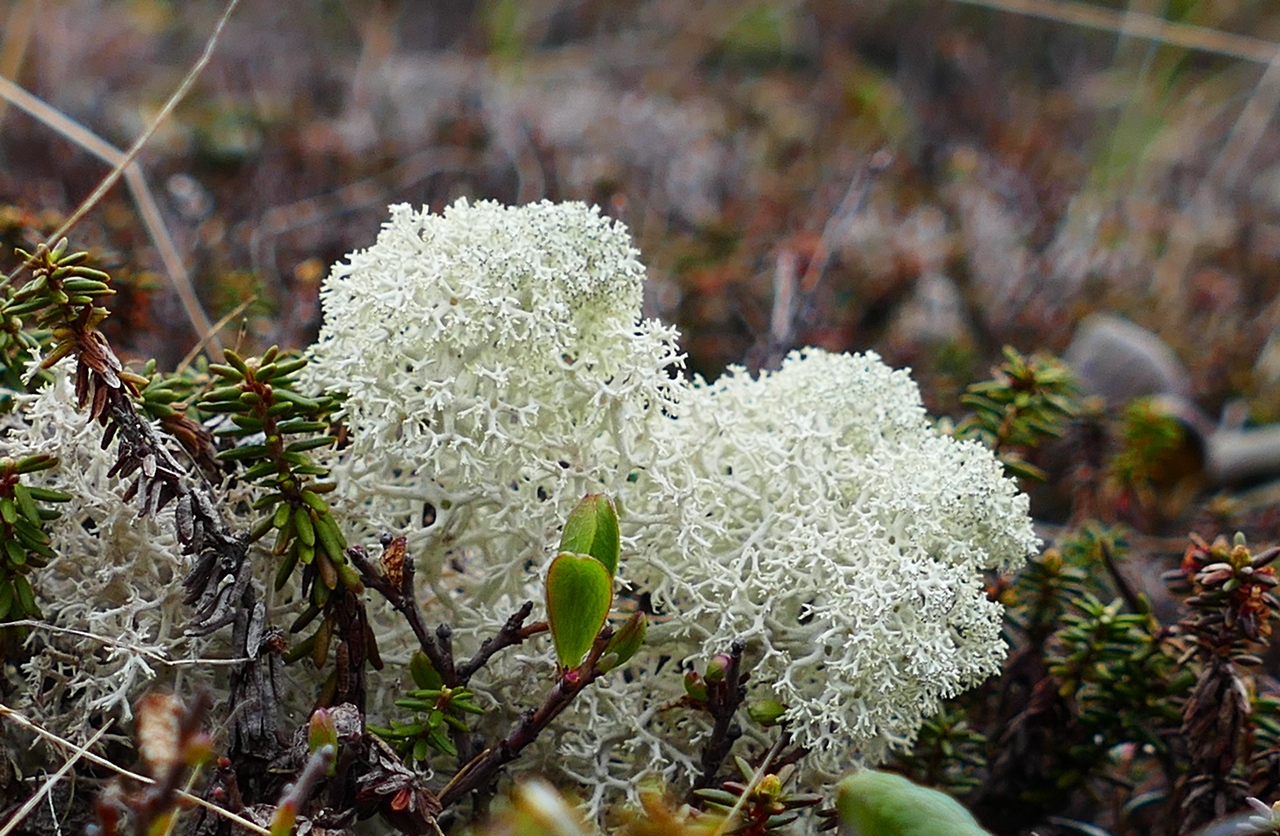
484,767
403,599
513,632
723,700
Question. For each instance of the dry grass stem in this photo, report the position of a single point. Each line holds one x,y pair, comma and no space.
158,658
124,165
191,355
49,784
1133,24
22,720
120,161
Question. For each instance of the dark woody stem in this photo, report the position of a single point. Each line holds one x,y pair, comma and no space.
723,700
482,770
439,647
402,598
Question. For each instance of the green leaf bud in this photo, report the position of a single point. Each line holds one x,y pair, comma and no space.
718,668
766,712
592,529
624,643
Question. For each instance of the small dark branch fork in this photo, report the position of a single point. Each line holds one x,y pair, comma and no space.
513,632
482,770
402,598
439,647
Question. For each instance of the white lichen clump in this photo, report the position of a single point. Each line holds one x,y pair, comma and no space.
843,538
497,368
112,598
495,371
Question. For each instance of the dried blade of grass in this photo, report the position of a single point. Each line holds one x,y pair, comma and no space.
123,165
1134,24
19,718
191,355
60,122
145,137
138,189
158,658
49,784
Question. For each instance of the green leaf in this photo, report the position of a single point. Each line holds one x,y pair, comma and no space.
1025,470
766,712
624,643
875,803
287,367
46,495
579,594
39,461
302,524
16,553
25,597
305,444
330,538
592,529
423,672
441,741
249,451
26,503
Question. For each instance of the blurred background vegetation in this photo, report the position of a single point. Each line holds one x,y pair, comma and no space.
929,179
1031,170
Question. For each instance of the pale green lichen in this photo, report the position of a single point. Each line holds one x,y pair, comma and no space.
112,598
497,368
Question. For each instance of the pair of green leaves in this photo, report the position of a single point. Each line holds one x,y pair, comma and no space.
580,579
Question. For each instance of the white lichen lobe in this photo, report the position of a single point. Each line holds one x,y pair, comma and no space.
497,368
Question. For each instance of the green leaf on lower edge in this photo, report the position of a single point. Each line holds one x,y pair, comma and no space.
883,804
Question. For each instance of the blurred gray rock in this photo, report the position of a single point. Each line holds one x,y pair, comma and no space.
1118,361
